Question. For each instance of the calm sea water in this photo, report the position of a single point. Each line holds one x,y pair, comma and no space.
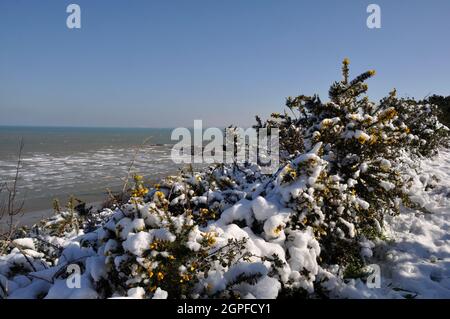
58,162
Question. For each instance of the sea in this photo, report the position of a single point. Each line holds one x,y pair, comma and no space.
59,162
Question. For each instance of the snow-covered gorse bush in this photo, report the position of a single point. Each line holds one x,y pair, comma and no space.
347,172
230,231
443,104
422,120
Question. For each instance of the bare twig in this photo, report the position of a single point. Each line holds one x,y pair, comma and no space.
130,167
9,206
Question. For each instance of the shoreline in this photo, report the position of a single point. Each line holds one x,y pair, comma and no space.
31,217
38,209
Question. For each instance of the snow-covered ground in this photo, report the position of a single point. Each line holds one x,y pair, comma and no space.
415,259
418,259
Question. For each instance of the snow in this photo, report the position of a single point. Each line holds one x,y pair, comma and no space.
242,210
96,266
273,226
304,251
138,243
385,164
418,261
160,294
215,282
31,291
60,290
262,209
265,288
245,269
387,185
350,227
24,243
360,135
136,293
414,260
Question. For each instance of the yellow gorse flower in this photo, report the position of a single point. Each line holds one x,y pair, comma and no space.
361,139
185,277
278,230
326,122
159,195
139,189
373,139
290,174
210,238
387,115
275,115
206,213
193,266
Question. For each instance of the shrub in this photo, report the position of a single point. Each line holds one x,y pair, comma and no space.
443,104
229,231
350,171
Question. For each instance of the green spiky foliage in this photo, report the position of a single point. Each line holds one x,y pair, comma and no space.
351,169
443,105
423,121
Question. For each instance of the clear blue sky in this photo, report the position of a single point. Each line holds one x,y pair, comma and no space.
166,63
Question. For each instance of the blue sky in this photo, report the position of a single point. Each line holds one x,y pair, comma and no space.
166,63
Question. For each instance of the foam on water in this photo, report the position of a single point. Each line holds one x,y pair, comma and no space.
83,162
105,166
